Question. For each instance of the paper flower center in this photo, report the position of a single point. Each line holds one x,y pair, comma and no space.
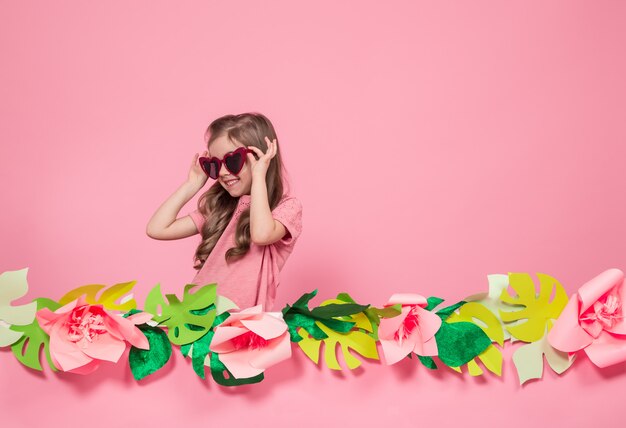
602,315
607,313
84,325
408,325
249,340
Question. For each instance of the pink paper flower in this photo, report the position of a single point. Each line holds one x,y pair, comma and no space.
593,320
82,335
250,341
411,331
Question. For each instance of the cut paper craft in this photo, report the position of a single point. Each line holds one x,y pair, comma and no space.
13,285
593,320
491,300
144,362
28,347
491,357
358,339
187,320
413,331
459,342
83,335
238,345
538,310
250,341
528,360
114,297
373,314
300,316
201,357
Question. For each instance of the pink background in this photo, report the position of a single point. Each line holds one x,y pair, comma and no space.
430,143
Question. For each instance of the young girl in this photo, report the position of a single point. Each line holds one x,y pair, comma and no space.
248,226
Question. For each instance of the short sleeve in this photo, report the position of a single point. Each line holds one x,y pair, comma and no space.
289,213
198,219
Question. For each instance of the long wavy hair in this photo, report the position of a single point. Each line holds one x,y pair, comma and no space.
248,129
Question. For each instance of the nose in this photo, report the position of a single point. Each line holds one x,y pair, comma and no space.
223,170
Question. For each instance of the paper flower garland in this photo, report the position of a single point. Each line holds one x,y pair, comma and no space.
95,323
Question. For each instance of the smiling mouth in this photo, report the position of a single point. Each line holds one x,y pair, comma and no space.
231,183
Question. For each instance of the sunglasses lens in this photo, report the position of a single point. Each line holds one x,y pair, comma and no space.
211,167
234,162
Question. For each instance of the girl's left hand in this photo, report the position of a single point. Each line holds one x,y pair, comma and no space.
259,167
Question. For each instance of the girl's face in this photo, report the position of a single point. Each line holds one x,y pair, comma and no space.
236,185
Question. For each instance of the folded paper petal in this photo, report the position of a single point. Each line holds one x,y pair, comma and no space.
249,341
429,323
407,299
411,331
607,350
593,320
394,351
566,334
266,327
277,351
83,335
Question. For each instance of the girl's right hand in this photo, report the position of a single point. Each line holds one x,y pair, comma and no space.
197,177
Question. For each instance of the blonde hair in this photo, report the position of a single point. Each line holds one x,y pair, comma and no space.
248,129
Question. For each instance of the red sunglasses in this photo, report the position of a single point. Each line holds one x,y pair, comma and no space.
233,161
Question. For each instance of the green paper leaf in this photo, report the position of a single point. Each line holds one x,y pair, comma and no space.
433,302
199,352
184,349
28,347
428,362
481,316
144,362
300,316
449,310
187,320
374,314
358,340
337,310
460,342
218,369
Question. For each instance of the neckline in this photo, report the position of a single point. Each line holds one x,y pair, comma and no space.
244,199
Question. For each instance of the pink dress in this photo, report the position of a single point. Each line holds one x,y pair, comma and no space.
253,279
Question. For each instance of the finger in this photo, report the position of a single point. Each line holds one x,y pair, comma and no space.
256,150
251,158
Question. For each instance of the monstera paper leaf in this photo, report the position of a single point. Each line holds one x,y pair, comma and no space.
528,359
114,297
538,310
187,320
28,347
481,316
358,339
13,285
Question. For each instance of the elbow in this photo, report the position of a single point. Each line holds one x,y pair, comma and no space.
151,233
259,239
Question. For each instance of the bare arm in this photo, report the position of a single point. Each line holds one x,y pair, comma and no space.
264,229
163,224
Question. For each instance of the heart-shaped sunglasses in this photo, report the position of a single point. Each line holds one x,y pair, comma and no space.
233,161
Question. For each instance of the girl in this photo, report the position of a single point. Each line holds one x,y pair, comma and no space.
248,226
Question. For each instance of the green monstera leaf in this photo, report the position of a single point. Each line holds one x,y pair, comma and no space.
28,347
187,320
